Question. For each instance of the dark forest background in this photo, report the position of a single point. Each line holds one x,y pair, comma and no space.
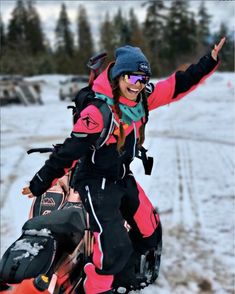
170,37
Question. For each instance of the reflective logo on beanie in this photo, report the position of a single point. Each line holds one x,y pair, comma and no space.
144,67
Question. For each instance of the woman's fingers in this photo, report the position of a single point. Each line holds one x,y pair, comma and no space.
26,191
217,48
220,45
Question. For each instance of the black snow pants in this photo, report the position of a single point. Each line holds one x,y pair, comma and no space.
109,204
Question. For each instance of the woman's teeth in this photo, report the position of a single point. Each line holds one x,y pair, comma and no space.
133,91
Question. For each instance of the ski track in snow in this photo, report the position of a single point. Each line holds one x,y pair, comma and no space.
192,182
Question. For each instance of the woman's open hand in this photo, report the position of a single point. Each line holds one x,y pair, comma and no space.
26,191
217,48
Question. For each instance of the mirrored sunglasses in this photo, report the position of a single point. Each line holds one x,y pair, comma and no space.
133,79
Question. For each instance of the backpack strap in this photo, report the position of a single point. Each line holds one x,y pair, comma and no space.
81,100
108,119
147,161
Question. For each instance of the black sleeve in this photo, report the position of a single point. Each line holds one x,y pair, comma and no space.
72,149
193,74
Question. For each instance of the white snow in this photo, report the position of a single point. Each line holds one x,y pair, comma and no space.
192,183
24,245
42,232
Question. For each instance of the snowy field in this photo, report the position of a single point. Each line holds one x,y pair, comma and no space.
193,144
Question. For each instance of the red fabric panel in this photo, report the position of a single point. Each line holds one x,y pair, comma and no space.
163,93
144,217
97,253
95,283
90,122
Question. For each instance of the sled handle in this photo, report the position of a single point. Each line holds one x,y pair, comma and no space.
40,150
96,61
45,150
94,64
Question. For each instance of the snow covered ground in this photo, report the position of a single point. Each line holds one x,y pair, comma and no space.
193,144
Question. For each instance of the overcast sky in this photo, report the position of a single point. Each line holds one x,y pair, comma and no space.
221,10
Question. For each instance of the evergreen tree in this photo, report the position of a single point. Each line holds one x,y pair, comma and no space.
179,34
153,29
64,37
17,24
193,31
203,26
2,35
16,59
45,63
85,40
107,42
33,30
24,41
136,35
120,30
227,54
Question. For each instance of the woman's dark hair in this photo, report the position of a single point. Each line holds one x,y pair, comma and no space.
145,120
116,94
121,136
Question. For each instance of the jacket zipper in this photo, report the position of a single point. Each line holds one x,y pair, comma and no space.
134,148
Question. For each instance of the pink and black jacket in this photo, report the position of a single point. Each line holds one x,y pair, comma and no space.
106,161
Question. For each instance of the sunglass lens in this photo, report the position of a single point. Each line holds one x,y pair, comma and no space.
133,79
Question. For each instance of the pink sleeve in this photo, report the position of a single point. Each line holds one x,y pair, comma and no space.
164,90
90,121
163,93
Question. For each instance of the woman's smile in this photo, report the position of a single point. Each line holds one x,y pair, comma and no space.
130,91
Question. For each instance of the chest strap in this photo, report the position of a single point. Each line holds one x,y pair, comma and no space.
147,161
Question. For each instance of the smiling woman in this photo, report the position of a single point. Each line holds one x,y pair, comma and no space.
103,176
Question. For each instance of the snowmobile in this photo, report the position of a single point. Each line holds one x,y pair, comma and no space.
55,245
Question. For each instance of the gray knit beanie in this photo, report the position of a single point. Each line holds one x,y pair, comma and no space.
130,59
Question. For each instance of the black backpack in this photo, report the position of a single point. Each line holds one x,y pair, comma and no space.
86,96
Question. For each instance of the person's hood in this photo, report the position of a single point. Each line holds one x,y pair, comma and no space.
102,85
